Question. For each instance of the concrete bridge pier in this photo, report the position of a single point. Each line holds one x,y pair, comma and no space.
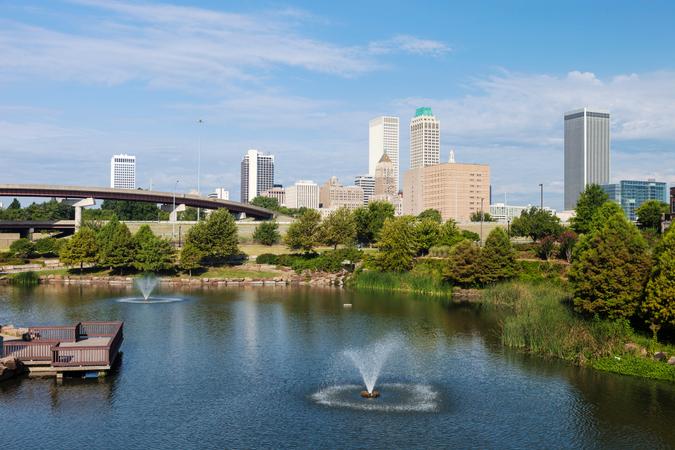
78,210
173,213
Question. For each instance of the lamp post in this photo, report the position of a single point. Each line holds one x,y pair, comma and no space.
173,212
481,221
541,196
199,165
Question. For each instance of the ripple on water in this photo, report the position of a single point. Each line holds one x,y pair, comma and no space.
394,397
151,300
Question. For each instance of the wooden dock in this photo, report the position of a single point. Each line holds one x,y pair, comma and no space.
85,347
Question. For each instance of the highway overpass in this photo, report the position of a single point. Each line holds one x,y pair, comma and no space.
136,195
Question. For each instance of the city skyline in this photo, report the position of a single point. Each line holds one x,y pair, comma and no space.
307,100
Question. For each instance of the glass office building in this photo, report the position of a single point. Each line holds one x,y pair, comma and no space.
630,194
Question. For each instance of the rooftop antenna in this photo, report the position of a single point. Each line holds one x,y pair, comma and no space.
451,160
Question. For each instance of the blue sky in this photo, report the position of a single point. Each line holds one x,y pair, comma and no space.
81,80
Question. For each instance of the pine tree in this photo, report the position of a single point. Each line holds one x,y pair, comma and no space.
658,306
118,252
464,265
152,254
610,270
589,201
81,249
498,258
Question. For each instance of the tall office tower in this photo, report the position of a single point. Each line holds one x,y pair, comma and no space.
123,172
367,183
586,152
385,181
303,194
383,138
425,139
257,174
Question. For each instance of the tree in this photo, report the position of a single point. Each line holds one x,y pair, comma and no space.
48,246
486,217
152,254
567,240
589,202
265,202
610,270
362,221
303,234
427,234
498,258
397,245
658,306
81,249
432,214
649,214
338,228
22,248
470,235
379,211
449,234
189,215
536,223
216,237
546,247
132,210
16,204
104,236
190,258
267,233
119,251
463,268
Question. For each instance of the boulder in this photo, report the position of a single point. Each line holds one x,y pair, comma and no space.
631,347
9,362
671,361
660,356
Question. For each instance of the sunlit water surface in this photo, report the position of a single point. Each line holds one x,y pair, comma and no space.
274,367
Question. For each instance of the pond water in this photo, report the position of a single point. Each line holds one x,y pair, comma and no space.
275,367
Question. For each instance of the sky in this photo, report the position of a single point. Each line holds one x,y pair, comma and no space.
82,80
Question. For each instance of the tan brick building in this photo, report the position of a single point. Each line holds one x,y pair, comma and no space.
454,189
334,195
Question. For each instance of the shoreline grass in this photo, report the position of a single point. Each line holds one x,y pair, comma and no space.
421,283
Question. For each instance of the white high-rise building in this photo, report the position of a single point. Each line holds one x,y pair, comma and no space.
367,183
257,174
303,194
123,172
425,139
220,194
586,152
383,138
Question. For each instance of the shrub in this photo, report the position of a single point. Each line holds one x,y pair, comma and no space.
22,248
440,251
267,258
48,246
267,233
25,279
546,247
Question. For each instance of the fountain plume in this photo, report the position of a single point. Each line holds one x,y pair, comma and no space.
369,360
146,284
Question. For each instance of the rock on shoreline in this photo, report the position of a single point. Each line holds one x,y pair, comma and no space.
10,367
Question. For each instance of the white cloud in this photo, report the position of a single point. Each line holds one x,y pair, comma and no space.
409,44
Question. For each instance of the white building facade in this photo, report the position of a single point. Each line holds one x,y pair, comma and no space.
123,171
367,183
425,139
220,194
587,152
303,194
257,174
383,139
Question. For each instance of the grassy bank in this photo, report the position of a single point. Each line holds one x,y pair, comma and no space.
418,282
541,322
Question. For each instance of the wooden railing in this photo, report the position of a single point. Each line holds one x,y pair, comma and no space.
28,350
100,329
82,356
55,333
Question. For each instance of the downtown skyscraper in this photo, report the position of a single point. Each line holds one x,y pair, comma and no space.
257,174
587,155
425,139
383,139
123,172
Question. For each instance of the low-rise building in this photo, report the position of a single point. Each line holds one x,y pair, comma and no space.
303,194
277,192
334,195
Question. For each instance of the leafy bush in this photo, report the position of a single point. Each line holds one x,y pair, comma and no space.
48,246
546,247
22,248
328,261
439,251
267,258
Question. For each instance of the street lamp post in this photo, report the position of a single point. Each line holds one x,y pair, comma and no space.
541,196
173,212
481,221
199,165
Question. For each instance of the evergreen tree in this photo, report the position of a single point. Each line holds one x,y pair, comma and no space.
397,245
152,254
589,202
498,258
649,214
303,234
432,214
658,307
15,204
81,249
610,270
105,235
118,252
267,233
463,267
190,258
339,228
427,234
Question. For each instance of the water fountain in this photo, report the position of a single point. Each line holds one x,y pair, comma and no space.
392,396
146,284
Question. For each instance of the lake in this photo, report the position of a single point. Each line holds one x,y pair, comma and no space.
275,367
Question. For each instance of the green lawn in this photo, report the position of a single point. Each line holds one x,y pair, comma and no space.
246,271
